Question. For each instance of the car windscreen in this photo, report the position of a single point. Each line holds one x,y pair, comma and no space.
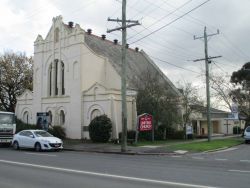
248,129
7,119
42,134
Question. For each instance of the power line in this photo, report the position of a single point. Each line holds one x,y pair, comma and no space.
201,22
174,65
157,21
238,51
218,67
171,21
170,54
235,47
178,46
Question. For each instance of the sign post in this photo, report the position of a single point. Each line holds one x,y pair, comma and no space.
145,123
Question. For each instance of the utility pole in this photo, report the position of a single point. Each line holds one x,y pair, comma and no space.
123,79
207,61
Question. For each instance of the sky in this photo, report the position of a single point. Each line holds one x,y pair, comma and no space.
166,32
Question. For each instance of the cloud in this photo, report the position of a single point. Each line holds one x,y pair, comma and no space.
22,21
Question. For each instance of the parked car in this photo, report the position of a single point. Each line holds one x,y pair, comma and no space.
247,134
36,139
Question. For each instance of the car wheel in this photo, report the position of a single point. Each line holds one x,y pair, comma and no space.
16,145
38,147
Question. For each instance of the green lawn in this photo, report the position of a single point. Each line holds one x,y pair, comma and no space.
205,145
158,142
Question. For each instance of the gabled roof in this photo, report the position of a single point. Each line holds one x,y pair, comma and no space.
203,109
137,62
26,95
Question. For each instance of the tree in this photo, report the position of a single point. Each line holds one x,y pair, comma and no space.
241,93
156,98
15,77
190,97
222,89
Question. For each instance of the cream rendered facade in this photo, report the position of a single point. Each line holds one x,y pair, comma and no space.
220,123
73,83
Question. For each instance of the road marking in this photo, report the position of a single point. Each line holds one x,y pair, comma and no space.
180,151
242,171
224,150
248,161
176,156
41,154
200,158
105,175
221,159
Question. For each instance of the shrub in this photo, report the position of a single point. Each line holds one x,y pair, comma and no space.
145,135
57,131
130,135
170,131
100,129
178,135
158,134
236,130
23,126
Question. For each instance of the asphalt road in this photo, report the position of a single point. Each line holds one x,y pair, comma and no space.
24,169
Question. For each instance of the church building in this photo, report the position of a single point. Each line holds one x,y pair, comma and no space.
77,76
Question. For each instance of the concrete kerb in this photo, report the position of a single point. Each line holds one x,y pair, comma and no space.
119,152
220,149
137,152
214,150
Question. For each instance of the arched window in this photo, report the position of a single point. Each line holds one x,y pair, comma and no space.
95,113
26,117
50,118
56,73
50,80
62,117
62,74
56,76
56,36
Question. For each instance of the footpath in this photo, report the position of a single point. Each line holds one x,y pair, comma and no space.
131,150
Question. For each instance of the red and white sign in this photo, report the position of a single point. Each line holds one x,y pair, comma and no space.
145,122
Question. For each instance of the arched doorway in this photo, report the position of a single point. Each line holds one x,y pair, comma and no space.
95,113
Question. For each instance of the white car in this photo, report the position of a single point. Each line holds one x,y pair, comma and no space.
247,134
37,139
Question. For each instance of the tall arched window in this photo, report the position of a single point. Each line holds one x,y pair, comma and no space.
50,118
50,80
62,74
62,117
56,78
56,74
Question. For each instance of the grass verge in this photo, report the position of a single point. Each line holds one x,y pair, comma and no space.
205,145
158,142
